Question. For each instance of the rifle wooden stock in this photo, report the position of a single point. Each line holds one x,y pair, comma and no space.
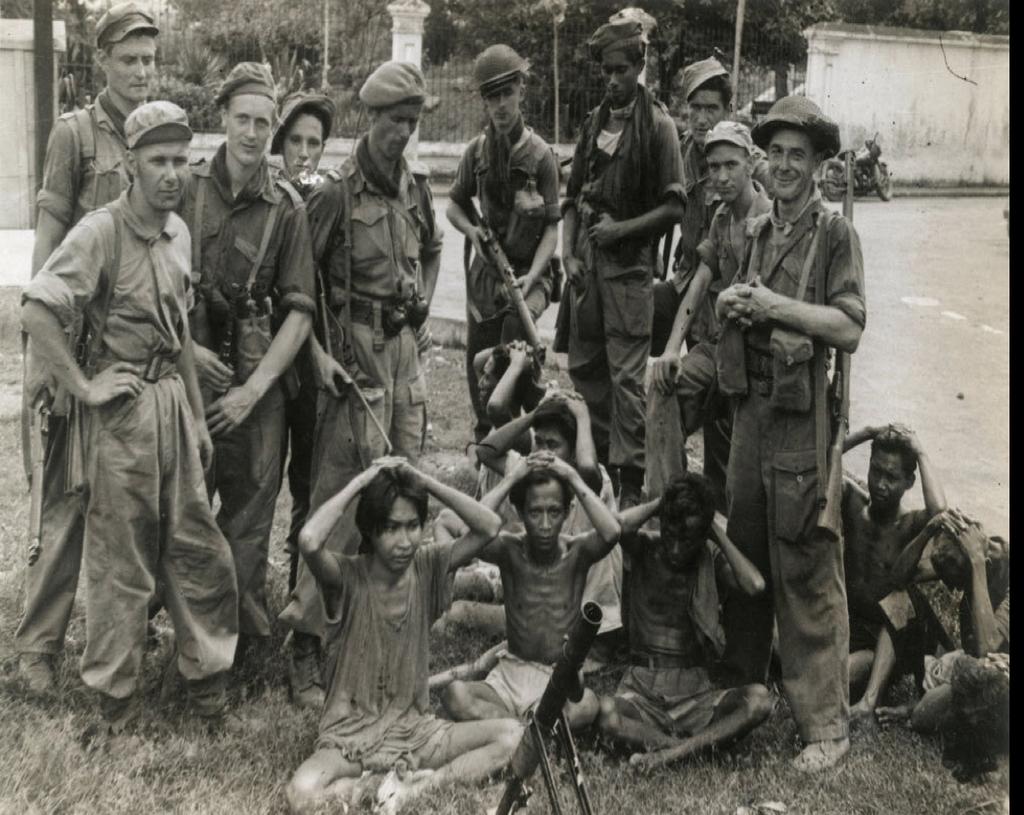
830,521
508,279
37,447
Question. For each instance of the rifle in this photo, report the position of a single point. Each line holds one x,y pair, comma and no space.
514,294
830,521
549,717
39,428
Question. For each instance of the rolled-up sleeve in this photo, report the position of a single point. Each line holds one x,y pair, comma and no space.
295,278
668,161
71,275
846,271
547,185
60,174
435,234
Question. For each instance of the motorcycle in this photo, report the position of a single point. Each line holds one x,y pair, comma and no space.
869,174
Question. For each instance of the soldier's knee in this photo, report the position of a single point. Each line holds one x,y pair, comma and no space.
508,736
608,718
455,698
758,701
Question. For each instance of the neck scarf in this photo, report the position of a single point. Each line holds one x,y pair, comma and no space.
373,173
641,122
112,111
498,179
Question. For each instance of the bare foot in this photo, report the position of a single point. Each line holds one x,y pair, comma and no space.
892,715
395,792
820,755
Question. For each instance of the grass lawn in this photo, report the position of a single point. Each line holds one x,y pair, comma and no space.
172,767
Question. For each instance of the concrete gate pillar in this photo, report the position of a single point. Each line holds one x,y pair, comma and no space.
407,19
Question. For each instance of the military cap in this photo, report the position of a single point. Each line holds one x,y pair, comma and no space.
156,123
698,73
393,83
496,66
615,35
122,20
798,113
729,133
247,77
294,105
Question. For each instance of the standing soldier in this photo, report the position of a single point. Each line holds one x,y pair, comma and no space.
302,130
376,240
252,269
625,188
147,517
801,295
514,173
84,169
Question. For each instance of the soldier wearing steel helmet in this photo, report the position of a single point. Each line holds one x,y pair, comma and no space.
799,296
514,173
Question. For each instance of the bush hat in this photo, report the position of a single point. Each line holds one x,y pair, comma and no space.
122,20
798,113
726,132
247,77
698,73
294,105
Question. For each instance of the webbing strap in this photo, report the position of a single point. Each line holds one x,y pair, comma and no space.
268,229
113,271
197,230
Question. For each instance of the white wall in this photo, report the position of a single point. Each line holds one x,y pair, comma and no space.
934,128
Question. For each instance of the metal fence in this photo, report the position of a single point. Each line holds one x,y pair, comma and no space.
456,113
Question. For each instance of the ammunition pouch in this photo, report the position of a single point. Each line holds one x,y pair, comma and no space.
791,353
253,336
730,361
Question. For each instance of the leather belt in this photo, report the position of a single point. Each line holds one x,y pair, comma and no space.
371,313
157,368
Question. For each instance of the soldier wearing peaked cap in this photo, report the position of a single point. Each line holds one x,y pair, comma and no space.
624,189
252,271
378,248
514,174
147,517
798,297
84,169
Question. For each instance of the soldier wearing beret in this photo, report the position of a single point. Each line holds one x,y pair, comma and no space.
799,296
514,173
625,188
378,247
252,271
84,169
124,268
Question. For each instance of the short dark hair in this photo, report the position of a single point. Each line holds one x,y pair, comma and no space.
558,416
891,441
534,478
688,495
720,84
378,497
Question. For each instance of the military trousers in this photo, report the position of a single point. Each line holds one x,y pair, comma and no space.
607,364
247,476
501,328
300,421
148,519
51,582
773,508
347,441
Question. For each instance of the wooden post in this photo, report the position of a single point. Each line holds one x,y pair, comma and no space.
42,29
327,45
741,6
554,28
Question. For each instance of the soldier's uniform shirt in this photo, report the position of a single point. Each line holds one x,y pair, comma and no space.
147,516
530,159
383,230
609,372
71,187
773,486
247,464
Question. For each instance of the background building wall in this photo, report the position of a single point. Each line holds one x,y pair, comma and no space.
935,128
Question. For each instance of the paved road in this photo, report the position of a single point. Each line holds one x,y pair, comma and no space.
935,353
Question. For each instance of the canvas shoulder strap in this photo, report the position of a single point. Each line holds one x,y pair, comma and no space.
113,272
268,231
197,230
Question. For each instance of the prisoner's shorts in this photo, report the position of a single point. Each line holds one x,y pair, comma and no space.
519,683
677,701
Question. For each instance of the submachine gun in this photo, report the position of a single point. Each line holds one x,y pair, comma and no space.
830,521
549,719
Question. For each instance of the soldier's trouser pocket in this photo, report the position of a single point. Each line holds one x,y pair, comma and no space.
367,435
795,499
628,304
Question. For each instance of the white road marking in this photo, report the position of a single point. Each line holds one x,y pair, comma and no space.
920,301
953,315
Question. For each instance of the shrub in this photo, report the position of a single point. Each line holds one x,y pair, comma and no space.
196,100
